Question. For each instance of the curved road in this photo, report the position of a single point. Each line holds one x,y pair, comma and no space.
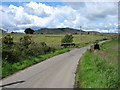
56,72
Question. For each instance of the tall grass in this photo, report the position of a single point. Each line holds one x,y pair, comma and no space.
99,69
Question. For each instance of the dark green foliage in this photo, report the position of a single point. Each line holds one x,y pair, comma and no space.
51,49
29,31
8,40
9,68
67,39
37,48
26,48
11,55
26,41
8,54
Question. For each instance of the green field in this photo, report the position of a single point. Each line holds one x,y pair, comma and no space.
99,69
55,40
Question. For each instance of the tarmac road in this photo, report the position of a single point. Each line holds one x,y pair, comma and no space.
56,72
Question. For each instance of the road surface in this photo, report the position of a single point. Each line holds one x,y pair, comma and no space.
56,72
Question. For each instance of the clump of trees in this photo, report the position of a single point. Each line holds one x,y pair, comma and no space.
67,39
29,31
13,52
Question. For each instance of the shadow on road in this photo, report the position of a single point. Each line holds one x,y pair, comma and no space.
12,83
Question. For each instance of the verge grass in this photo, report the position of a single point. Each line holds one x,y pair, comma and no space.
9,68
99,69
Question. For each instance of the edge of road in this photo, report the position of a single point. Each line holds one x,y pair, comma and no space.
100,43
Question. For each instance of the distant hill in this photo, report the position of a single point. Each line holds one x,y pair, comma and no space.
57,31
60,31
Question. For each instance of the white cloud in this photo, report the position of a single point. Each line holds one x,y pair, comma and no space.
91,15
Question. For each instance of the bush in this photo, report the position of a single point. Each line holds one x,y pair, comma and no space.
8,40
25,49
26,41
10,55
67,39
51,49
35,49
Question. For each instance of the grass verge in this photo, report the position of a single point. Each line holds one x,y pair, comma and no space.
9,69
99,69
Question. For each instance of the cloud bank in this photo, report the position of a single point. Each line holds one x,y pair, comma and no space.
91,16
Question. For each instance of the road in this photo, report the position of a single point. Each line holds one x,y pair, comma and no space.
56,72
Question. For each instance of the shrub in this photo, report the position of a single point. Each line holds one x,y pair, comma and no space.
8,40
10,55
25,49
51,49
26,41
67,39
35,48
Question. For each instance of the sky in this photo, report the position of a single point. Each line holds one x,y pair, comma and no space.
92,16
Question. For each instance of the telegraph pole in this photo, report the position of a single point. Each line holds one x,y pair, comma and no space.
108,31
92,36
81,32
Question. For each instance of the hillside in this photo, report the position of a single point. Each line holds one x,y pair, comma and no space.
62,31
58,31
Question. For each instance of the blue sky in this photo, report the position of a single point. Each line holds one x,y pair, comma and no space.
21,3
96,16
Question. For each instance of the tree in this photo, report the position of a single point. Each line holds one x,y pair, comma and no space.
29,31
67,39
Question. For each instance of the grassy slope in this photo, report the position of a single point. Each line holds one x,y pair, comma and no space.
99,69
